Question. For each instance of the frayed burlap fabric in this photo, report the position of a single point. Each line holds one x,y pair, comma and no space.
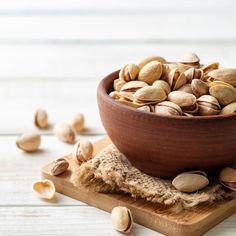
111,172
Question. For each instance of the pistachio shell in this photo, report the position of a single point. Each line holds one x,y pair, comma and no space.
118,84
145,108
189,182
127,95
150,93
176,79
168,108
189,74
199,87
65,132
41,119
162,84
227,75
146,60
59,166
77,122
224,94
133,86
187,114
189,58
122,219
44,189
150,72
114,94
186,88
209,67
199,172
82,151
29,142
214,83
212,101
165,71
130,103
228,178
129,72
182,99
229,109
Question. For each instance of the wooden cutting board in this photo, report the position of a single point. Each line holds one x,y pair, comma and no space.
153,216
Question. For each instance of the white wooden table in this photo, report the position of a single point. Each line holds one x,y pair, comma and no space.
53,53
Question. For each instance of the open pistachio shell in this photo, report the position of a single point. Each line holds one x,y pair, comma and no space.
227,75
129,103
189,58
150,93
44,189
133,86
165,71
145,108
162,84
121,218
150,72
176,79
209,101
182,99
210,67
168,108
118,84
129,72
224,94
146,60
229,109
199,87
228,178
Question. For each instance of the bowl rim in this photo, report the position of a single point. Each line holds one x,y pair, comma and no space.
102,91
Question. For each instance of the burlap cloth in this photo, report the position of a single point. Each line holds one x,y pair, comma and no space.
111,172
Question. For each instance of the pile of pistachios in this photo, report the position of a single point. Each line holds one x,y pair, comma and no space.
181,88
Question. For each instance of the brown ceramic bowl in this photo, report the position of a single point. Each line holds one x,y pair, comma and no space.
165,146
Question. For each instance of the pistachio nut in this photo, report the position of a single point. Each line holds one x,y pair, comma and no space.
199,87
133,86
183,99
150,94
44,189
190,182
118,84
77,122
145,108
193,73
129,72
208,105
65,133
228,178
59,166
225,94
189,58
146,60
29,142
82,151
176,79
168,108
150,72
41,119
229,109
162,84
186,88
226,75
121,218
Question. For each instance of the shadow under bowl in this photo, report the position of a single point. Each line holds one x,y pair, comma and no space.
165,146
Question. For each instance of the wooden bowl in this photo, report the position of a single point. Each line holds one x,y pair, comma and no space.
165,146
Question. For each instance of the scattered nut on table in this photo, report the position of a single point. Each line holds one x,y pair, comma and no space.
184,82
121,218
189,182
41,119
77,122
44,189
59,166
65,133
82,151
29,142
228,178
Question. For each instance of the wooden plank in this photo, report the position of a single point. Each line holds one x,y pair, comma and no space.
85,61
18,170
153,216
60,221
79,28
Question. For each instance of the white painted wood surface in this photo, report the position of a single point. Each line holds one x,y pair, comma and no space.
53,53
